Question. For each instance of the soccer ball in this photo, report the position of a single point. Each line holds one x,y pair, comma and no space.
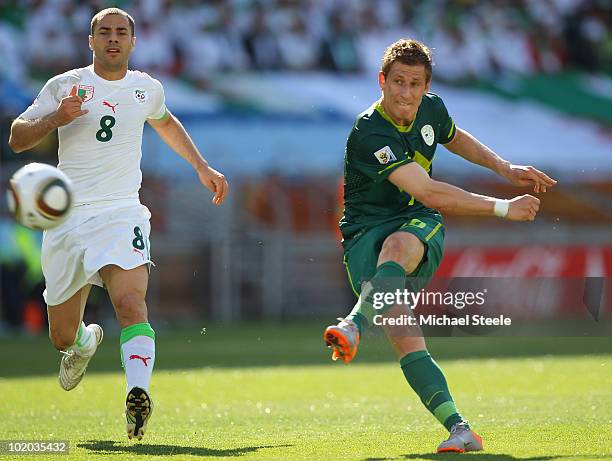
39,196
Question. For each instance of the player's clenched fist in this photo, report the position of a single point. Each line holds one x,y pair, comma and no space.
69,108
523,208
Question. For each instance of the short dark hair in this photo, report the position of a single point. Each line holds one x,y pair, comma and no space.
410,52
103,13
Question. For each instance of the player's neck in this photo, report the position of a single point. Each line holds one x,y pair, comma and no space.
395,120
107,74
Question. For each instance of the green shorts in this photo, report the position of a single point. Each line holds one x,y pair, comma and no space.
361,255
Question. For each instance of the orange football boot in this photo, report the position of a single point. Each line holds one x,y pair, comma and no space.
343,338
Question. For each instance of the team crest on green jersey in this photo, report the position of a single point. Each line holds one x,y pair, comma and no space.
85,92
428,135
385,155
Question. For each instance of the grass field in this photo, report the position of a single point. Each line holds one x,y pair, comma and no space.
270,392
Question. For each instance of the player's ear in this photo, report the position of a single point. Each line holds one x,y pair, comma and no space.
427,85
381,79
90,40
133,42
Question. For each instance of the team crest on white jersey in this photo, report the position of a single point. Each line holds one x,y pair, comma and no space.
428,135
385,155
140,96
85,92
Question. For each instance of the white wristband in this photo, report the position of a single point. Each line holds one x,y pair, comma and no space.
501,208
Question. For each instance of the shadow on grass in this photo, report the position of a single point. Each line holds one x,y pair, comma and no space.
482,457
109,447
479,457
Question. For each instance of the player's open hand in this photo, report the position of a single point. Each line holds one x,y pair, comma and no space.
520,175
214,182
523,208
69,108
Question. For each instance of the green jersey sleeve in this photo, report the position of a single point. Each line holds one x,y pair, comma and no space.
445,126
376,155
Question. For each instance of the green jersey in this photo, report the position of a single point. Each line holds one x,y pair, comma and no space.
374,149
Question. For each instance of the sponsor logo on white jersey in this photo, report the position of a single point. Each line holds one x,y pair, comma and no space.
111,106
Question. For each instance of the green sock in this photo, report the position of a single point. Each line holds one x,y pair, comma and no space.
427,380
389,278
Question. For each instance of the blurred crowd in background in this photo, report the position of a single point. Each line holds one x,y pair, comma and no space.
194,39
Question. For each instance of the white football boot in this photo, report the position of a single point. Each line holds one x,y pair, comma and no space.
461,439
74,364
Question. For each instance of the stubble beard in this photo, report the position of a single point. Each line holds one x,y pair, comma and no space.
111,66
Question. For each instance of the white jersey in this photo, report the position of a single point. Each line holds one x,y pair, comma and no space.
101,150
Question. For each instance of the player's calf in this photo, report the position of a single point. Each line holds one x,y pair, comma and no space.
62,339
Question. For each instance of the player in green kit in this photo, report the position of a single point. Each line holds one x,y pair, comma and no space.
392,228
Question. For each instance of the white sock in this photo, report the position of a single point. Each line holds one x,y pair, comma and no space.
85,342
138,358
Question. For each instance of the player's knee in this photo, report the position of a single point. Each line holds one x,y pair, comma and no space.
131,309
404,249
408,344
62,339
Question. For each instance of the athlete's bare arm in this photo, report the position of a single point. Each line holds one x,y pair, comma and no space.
172,132
26,134
468,147
450,199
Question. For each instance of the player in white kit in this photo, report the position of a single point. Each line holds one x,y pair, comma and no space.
100,111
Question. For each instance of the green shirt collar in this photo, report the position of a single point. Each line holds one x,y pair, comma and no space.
404,129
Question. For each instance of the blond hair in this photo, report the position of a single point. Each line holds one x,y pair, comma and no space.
410,52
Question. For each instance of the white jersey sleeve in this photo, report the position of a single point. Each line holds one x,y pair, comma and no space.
158,105
50,96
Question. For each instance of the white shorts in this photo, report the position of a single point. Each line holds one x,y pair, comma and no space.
94,235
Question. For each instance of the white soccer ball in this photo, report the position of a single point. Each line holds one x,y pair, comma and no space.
40,196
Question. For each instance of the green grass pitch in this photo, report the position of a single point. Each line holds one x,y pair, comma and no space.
270,392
